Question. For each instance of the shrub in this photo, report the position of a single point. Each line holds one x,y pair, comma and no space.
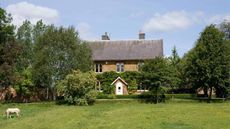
150,97
77,88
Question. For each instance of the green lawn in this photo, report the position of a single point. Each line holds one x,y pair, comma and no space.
120,115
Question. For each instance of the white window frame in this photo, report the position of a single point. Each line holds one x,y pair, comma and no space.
120,67
98,68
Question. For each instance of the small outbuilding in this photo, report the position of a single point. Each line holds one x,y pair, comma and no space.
121,87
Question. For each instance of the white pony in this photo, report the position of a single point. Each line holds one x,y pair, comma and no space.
10,111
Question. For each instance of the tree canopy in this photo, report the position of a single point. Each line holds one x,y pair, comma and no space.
206,65
57,52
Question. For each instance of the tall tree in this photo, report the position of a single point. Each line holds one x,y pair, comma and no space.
24,37
206,63
225,28
57,52
38,29
8,50
173,66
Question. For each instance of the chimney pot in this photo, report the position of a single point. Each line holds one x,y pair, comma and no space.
105,36
141,35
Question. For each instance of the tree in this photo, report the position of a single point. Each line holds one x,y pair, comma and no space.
57,52
24,37
155,75
9,49
173,66
206,65
24,85
78,88
225,28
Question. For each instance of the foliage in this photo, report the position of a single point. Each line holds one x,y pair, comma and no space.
9,49
206,64
132,78
58,51
150,97
24,85
174,69
155,75
24,37
78,88
225,28
106,78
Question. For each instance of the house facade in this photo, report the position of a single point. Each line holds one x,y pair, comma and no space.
123,55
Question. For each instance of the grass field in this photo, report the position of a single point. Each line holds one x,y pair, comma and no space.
120,115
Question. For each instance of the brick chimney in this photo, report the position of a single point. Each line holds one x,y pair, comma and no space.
105,36
141,35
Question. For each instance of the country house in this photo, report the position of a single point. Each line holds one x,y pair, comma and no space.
123,55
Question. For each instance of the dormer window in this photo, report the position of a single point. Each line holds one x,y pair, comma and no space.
98,68
120,67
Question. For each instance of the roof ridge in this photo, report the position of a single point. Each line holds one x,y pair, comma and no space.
123,40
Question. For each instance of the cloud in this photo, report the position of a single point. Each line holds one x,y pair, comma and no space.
216,19
171,21
84,30
24,10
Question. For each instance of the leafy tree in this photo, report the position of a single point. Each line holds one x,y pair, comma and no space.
38,30
57,52
173,66
78,88
24,37
24,85
9,49
225,28
155,75
206,64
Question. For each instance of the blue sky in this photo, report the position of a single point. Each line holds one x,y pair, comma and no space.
177,22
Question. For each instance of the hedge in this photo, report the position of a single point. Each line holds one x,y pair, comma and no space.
143,96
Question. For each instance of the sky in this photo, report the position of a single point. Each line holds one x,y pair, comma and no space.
178,22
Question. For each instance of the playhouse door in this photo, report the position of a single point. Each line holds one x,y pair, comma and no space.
119,88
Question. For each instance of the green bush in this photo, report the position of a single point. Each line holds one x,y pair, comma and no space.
127,96
77,88
150,97
181,96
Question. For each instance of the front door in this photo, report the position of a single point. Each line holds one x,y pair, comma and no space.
119,88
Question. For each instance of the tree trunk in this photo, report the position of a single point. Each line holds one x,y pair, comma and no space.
172,92
205,92
210,95
157,94
47,93
54,94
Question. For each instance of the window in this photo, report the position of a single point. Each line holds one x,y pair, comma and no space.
120,67
98,68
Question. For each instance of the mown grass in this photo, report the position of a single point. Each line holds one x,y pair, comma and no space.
120,115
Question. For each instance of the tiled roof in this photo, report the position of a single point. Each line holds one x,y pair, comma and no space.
126,49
